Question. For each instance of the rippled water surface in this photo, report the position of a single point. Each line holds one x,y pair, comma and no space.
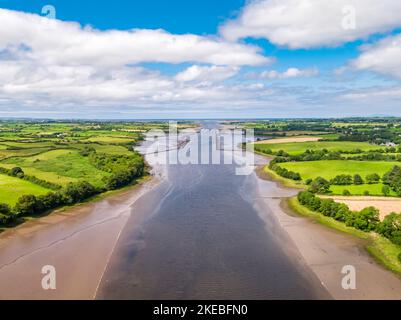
204,239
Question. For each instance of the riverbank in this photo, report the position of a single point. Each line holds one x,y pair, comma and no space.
326,251
77,241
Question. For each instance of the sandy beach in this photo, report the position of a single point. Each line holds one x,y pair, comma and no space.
78,242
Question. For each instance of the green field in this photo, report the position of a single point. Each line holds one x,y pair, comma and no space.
60,166
359,190
12,188
74,160
296,148
329,169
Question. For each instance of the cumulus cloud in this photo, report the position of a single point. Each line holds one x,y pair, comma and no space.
383,57
50,62
313,23
206,73
67,43
289,73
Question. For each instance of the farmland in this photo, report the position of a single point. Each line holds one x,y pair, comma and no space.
12,188
47,164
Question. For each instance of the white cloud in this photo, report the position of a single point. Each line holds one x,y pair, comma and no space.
382,57
49,62
289,73
313,23
206,73
67,43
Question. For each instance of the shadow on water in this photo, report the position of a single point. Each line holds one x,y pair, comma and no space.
204,240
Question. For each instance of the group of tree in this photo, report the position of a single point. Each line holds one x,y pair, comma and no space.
393,179
285,173
365,220
346,179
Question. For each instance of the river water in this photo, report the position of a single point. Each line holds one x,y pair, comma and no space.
204,238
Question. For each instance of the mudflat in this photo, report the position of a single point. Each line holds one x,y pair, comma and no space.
78,242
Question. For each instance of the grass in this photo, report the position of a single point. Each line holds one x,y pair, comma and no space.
110,149
12,188
359,190
328,169
54,165
48,176
382,249
296,148
107,139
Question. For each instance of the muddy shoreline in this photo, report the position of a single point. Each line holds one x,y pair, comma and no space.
77,241
327,251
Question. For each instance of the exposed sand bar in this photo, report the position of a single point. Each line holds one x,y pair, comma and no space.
78,242
326,251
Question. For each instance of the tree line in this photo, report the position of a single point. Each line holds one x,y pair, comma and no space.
366,220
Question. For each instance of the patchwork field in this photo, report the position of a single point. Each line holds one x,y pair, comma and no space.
73,160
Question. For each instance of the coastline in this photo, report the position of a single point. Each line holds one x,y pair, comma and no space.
326,250
77,241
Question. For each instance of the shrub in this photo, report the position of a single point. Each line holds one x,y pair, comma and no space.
365,220
77,192
358,180
308,182
373,178
386,190
320,185
28,205
346,193
342,180
283,172
16,171
393,179
390,227
5,209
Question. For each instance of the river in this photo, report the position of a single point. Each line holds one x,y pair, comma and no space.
205,239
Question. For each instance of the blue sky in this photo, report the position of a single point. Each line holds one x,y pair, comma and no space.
207,59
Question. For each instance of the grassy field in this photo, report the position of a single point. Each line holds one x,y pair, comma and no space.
296,148
12,188
360,190
328,169
61,167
